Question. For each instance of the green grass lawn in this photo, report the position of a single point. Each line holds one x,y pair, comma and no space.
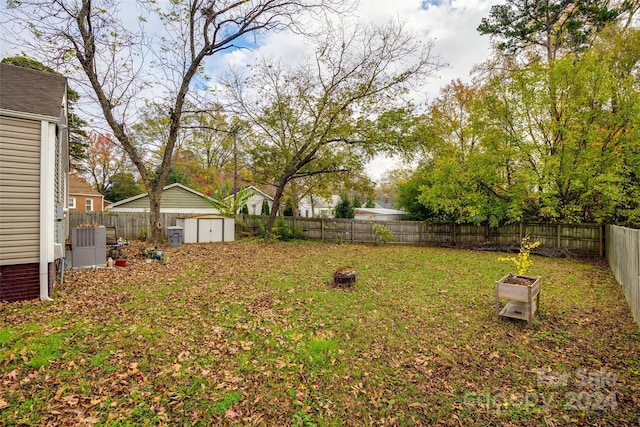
251,334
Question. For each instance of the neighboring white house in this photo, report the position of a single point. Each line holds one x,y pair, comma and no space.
176,198
254,204
316,206
379,214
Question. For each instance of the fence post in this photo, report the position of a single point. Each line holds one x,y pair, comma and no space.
322,229
521,232
558,235
352,237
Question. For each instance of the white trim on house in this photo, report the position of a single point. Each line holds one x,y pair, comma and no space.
28,116
257,190
47,190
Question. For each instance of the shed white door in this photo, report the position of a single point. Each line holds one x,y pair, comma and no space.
210,230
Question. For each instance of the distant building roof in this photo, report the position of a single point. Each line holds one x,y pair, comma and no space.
255,190
31,91
379,211
384,204
79,186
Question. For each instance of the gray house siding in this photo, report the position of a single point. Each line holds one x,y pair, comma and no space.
19,190
33,166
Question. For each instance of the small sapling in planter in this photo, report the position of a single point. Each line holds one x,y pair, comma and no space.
519,289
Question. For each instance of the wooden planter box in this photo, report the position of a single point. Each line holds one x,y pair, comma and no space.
523,299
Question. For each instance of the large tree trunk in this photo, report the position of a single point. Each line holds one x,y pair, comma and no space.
155,225
274,210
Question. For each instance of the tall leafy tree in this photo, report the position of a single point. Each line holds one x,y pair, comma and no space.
571,142
214,145
310,120
103,159
522,152
122,185
548,26
211,136
409,186
567,117
122,60
460,178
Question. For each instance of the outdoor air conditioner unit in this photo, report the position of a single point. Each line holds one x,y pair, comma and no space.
89,246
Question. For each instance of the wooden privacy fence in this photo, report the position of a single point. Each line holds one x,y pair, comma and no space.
129,225
623,253
583,238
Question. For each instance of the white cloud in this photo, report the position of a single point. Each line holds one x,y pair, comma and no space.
451,23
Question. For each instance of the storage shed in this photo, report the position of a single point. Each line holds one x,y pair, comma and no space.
207,228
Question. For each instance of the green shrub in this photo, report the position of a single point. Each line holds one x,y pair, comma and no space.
382,234
282,230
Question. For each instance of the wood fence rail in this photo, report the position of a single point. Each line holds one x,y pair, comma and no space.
583,238
623,253
129,225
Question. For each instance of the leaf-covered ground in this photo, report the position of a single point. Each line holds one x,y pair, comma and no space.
251,334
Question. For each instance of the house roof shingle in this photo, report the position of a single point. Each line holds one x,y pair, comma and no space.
31,91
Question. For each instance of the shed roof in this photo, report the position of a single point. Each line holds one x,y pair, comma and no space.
31,91
384,204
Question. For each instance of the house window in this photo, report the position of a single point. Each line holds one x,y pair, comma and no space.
72,203
89,205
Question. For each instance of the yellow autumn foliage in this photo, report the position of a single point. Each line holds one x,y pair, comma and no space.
523,260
